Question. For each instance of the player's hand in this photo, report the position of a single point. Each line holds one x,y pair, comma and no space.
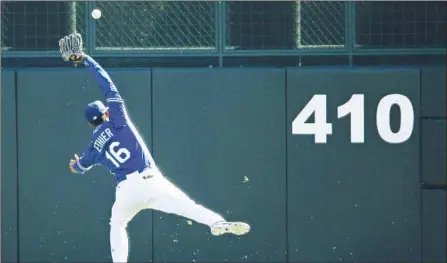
72,163
77,58
71,48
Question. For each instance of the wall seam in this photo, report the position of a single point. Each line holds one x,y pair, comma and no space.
152,152
16,97
286,167
420,167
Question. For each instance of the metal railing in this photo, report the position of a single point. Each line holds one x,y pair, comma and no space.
204,28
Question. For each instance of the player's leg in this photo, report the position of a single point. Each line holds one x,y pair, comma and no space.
168,198
124,209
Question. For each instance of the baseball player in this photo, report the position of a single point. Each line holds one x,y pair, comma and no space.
117,145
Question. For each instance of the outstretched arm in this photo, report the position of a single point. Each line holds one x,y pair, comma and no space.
118,113
71,50
103,79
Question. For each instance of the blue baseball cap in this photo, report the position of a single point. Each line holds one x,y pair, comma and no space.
95,110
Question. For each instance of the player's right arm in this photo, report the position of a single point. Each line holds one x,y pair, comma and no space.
82,164
117,109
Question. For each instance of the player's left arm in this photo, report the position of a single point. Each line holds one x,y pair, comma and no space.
80,165
71,50
117,109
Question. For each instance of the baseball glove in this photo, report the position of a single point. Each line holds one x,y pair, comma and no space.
71,47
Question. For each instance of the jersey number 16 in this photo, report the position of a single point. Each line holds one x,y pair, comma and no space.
119,156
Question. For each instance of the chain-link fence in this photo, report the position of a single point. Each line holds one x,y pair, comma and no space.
156,25
397,24
285,25
219,27
38,26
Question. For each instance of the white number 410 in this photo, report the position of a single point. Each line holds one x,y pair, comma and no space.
355,108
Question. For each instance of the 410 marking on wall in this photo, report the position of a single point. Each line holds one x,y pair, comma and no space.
354,107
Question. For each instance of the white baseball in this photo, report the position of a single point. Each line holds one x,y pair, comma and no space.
96,13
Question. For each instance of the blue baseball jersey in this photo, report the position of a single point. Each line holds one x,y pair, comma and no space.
116,144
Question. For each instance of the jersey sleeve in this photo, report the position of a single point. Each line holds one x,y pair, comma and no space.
117,109
87,160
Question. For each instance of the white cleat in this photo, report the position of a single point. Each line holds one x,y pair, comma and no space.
235,228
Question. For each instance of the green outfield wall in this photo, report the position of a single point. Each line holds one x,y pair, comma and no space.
225,137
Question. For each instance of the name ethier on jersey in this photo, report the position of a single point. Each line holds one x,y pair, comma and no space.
102,139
